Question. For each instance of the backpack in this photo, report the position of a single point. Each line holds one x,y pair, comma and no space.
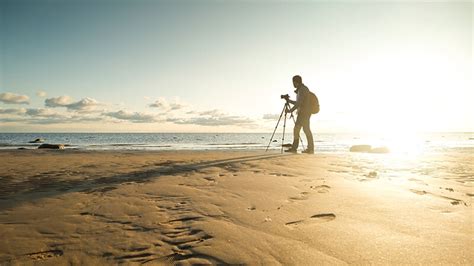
313,103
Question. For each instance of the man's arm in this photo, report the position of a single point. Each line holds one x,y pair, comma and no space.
292,102
295,106
302,94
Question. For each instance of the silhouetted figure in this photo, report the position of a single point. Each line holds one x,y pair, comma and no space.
304,115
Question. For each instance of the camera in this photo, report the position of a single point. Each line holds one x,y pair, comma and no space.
285,96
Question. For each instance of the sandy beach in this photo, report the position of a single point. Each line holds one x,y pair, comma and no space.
237,207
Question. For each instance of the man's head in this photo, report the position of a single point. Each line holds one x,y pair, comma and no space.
297,81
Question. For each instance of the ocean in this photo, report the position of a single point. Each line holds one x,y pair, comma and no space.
324,142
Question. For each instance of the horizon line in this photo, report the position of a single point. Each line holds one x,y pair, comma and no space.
324,132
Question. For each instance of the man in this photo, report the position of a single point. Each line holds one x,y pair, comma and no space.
304,115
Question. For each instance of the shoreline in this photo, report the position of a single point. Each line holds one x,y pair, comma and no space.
324,142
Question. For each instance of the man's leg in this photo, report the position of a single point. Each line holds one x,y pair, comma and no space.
308,133
296,133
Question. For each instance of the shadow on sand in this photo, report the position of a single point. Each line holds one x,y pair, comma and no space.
42,185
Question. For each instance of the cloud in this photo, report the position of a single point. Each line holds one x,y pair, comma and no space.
163,104
41,94
44,112
85,110
134,117
214,121
45,116
214,112
213,118
13,111
61,101
84,105
160,103
33,115
12,98
13,119
271,116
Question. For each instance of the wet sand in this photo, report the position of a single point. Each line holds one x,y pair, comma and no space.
251,207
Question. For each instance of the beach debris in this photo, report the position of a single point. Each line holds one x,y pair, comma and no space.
268,219
360,148
36,141
275,140
52,146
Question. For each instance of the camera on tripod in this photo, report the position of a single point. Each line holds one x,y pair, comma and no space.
285,111
285,96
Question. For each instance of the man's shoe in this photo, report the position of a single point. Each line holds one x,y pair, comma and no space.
291,150
309,151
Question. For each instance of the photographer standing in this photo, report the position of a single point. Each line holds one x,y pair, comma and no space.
303,108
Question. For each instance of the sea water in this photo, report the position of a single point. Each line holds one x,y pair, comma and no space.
324,142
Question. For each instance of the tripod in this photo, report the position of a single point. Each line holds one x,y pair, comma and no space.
285,107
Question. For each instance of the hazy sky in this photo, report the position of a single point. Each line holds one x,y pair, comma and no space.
213,66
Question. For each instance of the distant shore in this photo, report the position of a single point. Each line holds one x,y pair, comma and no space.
231,206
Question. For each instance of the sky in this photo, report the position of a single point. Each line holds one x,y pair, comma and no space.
221,66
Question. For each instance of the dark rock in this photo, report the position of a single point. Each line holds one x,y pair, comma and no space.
52,146
380,150
372,174
361,148
37,141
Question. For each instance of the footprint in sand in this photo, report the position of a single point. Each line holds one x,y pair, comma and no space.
321,188
419,192
43,255
453,201
251,208
324,216
317,218
280,174
302,196
210,179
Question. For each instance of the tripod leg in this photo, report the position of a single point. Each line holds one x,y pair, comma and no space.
283,137
294,121
275,128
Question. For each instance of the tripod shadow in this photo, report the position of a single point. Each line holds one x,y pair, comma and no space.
41,185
